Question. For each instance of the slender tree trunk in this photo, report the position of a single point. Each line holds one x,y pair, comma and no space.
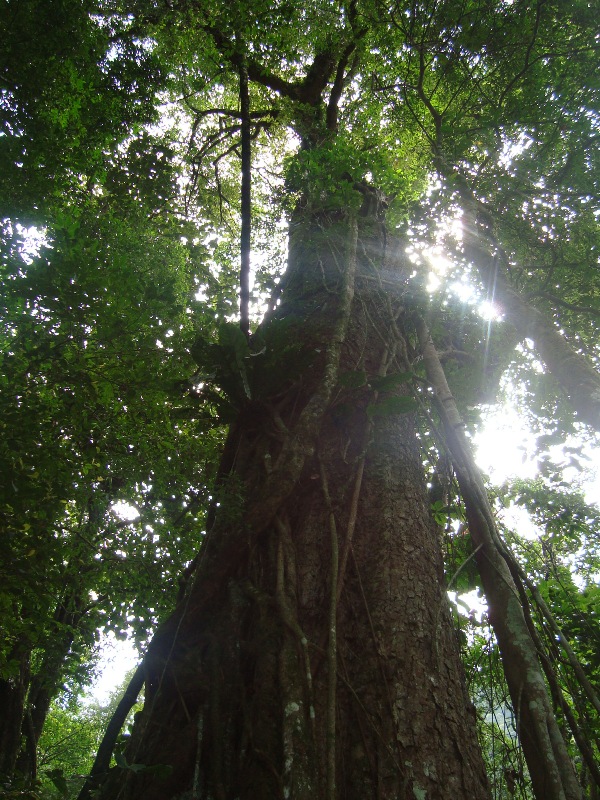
45,683
552,774
13,691
246,196
101,763
314,655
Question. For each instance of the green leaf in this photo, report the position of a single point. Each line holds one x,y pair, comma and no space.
162,771
138,768
233,339
391,381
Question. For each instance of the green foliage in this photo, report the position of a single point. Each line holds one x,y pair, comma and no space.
232,373
497,721
569,530
159,770
327,175
68,747
461,567
83,384
95,326
68,94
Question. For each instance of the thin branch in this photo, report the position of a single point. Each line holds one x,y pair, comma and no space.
555,688
332,639
527,61
341,80
256,72
595,312
228,112
246,202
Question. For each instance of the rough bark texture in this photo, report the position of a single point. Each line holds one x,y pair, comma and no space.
45,683
259,686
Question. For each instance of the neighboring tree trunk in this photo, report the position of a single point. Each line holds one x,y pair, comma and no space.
314,655
25,698
13,691
113,729
552,773
45,684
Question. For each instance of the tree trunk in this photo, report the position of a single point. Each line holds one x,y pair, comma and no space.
314,655
25,698
13,691
45,683
104,755
552,773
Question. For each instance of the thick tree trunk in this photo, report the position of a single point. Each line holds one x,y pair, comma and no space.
314,655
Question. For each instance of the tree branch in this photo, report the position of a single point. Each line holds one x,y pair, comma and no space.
256,72
594,312
341,80
245,200
547,758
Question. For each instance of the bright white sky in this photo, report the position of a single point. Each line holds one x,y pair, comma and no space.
116,660
505,448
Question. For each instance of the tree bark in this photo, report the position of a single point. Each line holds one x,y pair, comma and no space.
44,685
314,654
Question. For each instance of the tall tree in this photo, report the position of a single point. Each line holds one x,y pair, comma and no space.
312,651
